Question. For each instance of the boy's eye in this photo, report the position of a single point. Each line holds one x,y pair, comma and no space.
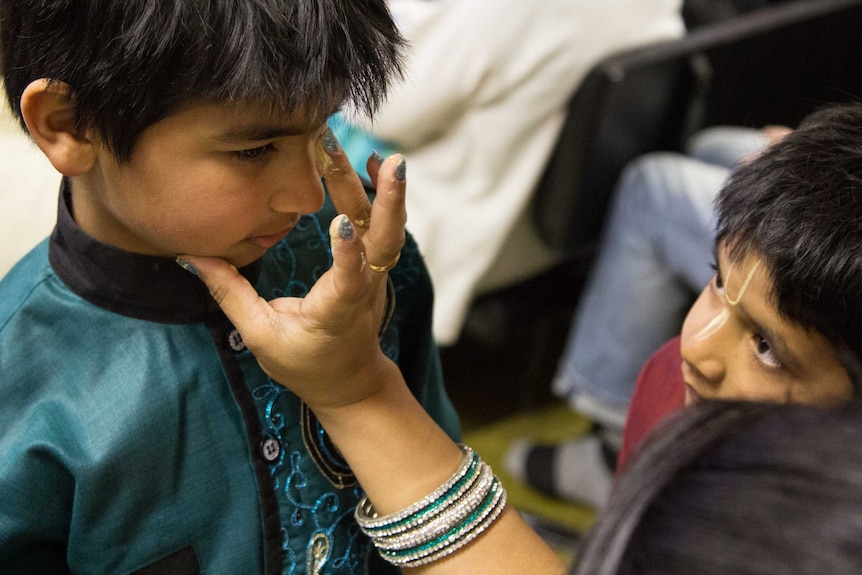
764,352
717,283
254,153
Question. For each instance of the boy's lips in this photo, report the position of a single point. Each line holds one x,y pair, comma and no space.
691,394
267,241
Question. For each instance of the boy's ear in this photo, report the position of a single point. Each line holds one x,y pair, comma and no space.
48,109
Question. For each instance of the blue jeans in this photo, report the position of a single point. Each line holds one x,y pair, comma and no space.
654,258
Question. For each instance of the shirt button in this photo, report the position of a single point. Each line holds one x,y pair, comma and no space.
234,340
270,449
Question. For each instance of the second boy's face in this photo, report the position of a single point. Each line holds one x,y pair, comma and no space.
735,345
227,180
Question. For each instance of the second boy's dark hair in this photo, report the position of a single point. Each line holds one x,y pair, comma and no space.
130,63
798,206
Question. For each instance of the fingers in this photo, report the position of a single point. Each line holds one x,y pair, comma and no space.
344,186
372,166
348,259
382,225
341,295
775,133
385,237
234,294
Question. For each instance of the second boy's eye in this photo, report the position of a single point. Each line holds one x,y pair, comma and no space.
717,283
764,352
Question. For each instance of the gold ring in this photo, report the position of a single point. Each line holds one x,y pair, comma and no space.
385,268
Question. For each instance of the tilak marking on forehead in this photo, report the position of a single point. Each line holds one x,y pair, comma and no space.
713,325
716,323
735,302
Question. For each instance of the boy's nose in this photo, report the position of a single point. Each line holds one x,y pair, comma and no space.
706,365
297,191
704,340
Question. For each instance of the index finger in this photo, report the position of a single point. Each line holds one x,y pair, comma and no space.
343,184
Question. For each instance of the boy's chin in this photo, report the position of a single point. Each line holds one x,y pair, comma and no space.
243,261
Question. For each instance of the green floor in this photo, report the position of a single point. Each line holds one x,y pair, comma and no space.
561,523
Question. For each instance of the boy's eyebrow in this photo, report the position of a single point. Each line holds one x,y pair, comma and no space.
259,132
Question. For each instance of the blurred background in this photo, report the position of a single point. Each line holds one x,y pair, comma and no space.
730,62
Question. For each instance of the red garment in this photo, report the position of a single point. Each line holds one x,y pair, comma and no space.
660,390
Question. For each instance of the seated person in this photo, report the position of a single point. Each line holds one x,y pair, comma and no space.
757,343
653,259
477,116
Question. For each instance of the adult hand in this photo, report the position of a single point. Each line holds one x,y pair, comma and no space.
314,345
773,133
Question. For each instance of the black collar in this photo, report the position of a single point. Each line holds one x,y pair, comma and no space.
139,286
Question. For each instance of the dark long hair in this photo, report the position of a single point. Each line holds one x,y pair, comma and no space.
741,488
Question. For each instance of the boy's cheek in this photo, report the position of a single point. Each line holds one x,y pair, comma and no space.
831,390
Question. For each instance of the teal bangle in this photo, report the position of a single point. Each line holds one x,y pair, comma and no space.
369,520
440,523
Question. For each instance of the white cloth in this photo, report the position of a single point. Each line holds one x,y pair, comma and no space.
28,197
484,101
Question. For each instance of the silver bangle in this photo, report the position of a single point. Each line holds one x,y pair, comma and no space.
440,523
424,556
368,519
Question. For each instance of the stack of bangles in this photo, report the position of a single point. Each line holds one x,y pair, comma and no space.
442,522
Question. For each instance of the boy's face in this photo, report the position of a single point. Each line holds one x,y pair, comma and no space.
735,345
227,180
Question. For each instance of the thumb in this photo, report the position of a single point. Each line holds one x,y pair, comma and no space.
233,293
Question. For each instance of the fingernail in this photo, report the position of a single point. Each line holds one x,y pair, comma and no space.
401,170
330,143
187,266
375,155
345,229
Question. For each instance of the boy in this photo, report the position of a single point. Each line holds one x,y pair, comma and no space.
782,318
139,435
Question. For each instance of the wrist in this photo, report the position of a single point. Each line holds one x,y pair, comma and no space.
396,450
356,388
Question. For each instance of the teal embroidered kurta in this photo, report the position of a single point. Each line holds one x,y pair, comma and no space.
137,431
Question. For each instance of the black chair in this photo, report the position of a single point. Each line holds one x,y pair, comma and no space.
771,66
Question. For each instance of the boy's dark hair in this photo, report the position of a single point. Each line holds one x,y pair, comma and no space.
737,487
130,63
798,206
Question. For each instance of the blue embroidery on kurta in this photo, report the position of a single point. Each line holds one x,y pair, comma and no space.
311,506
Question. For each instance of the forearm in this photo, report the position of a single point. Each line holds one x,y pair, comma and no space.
400,455
325,348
